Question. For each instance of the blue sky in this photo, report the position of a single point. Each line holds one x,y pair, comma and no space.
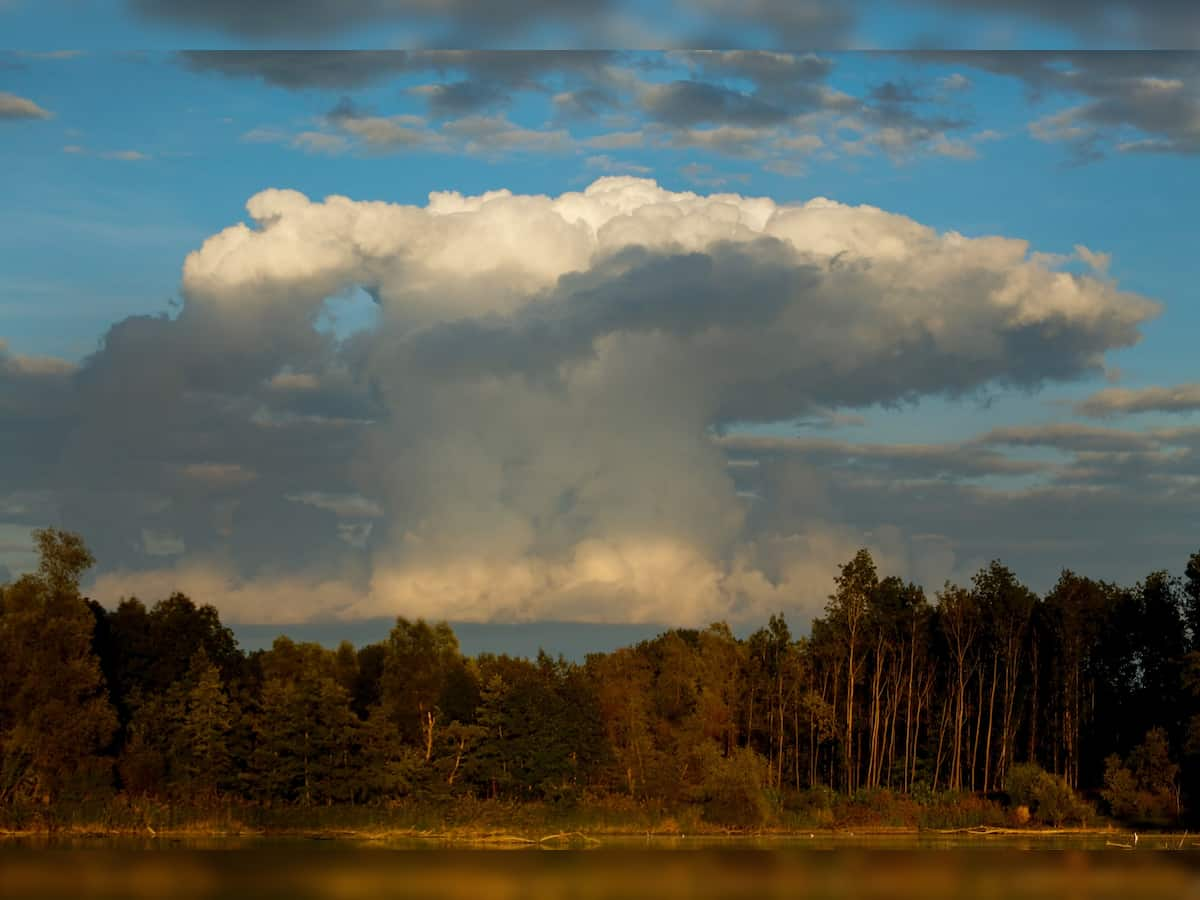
118,165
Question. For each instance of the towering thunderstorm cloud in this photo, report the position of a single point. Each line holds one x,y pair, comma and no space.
537,424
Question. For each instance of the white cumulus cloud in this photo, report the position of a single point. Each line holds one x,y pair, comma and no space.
547,372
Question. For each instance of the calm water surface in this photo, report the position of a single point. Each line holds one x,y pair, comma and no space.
822,866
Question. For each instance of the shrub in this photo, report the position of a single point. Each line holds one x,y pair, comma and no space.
955,809
1047,798
1021,784
1120,789
732,792
1145,787
1056,802
877,806
809,808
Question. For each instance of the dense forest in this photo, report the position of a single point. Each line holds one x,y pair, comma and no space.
1084,701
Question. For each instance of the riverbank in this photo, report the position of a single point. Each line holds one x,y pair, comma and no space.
547,834
465,836
465,818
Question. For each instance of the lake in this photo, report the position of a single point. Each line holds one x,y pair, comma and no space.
937,866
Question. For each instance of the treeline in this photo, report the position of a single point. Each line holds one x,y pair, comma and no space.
984,690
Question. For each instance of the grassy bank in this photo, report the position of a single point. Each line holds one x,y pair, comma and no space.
467,818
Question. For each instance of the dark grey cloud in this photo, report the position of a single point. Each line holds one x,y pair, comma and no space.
1103,102
458,98
1180,398
895,461
684,297
759,104
778,24
36,407
946,510
1023,355
685,103
1071,437
302,69
463,82
474,23
1137,102
636,291
1159,24
898,118
1128,24
157,441
793,90
380,133
587,102
891,93
1039,530
1092,103
796,82
461,22
765,68
342,69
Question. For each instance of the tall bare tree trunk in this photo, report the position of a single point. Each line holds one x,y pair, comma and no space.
876,689
987,747
937,770
1033,714
908,709
978,728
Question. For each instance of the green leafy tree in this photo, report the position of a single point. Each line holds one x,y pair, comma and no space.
1191,590
847,614
144,652
1006,607
147,758
418,664
1152,764
206,728
55,716
1073,620
365,691
538,731
721,660
1159,648
387,767
305,734
621,683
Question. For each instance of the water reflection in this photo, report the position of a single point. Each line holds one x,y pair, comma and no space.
348,870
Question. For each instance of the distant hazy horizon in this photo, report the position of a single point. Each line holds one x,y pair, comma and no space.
572,640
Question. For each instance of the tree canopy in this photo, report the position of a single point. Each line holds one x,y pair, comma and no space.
987,688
